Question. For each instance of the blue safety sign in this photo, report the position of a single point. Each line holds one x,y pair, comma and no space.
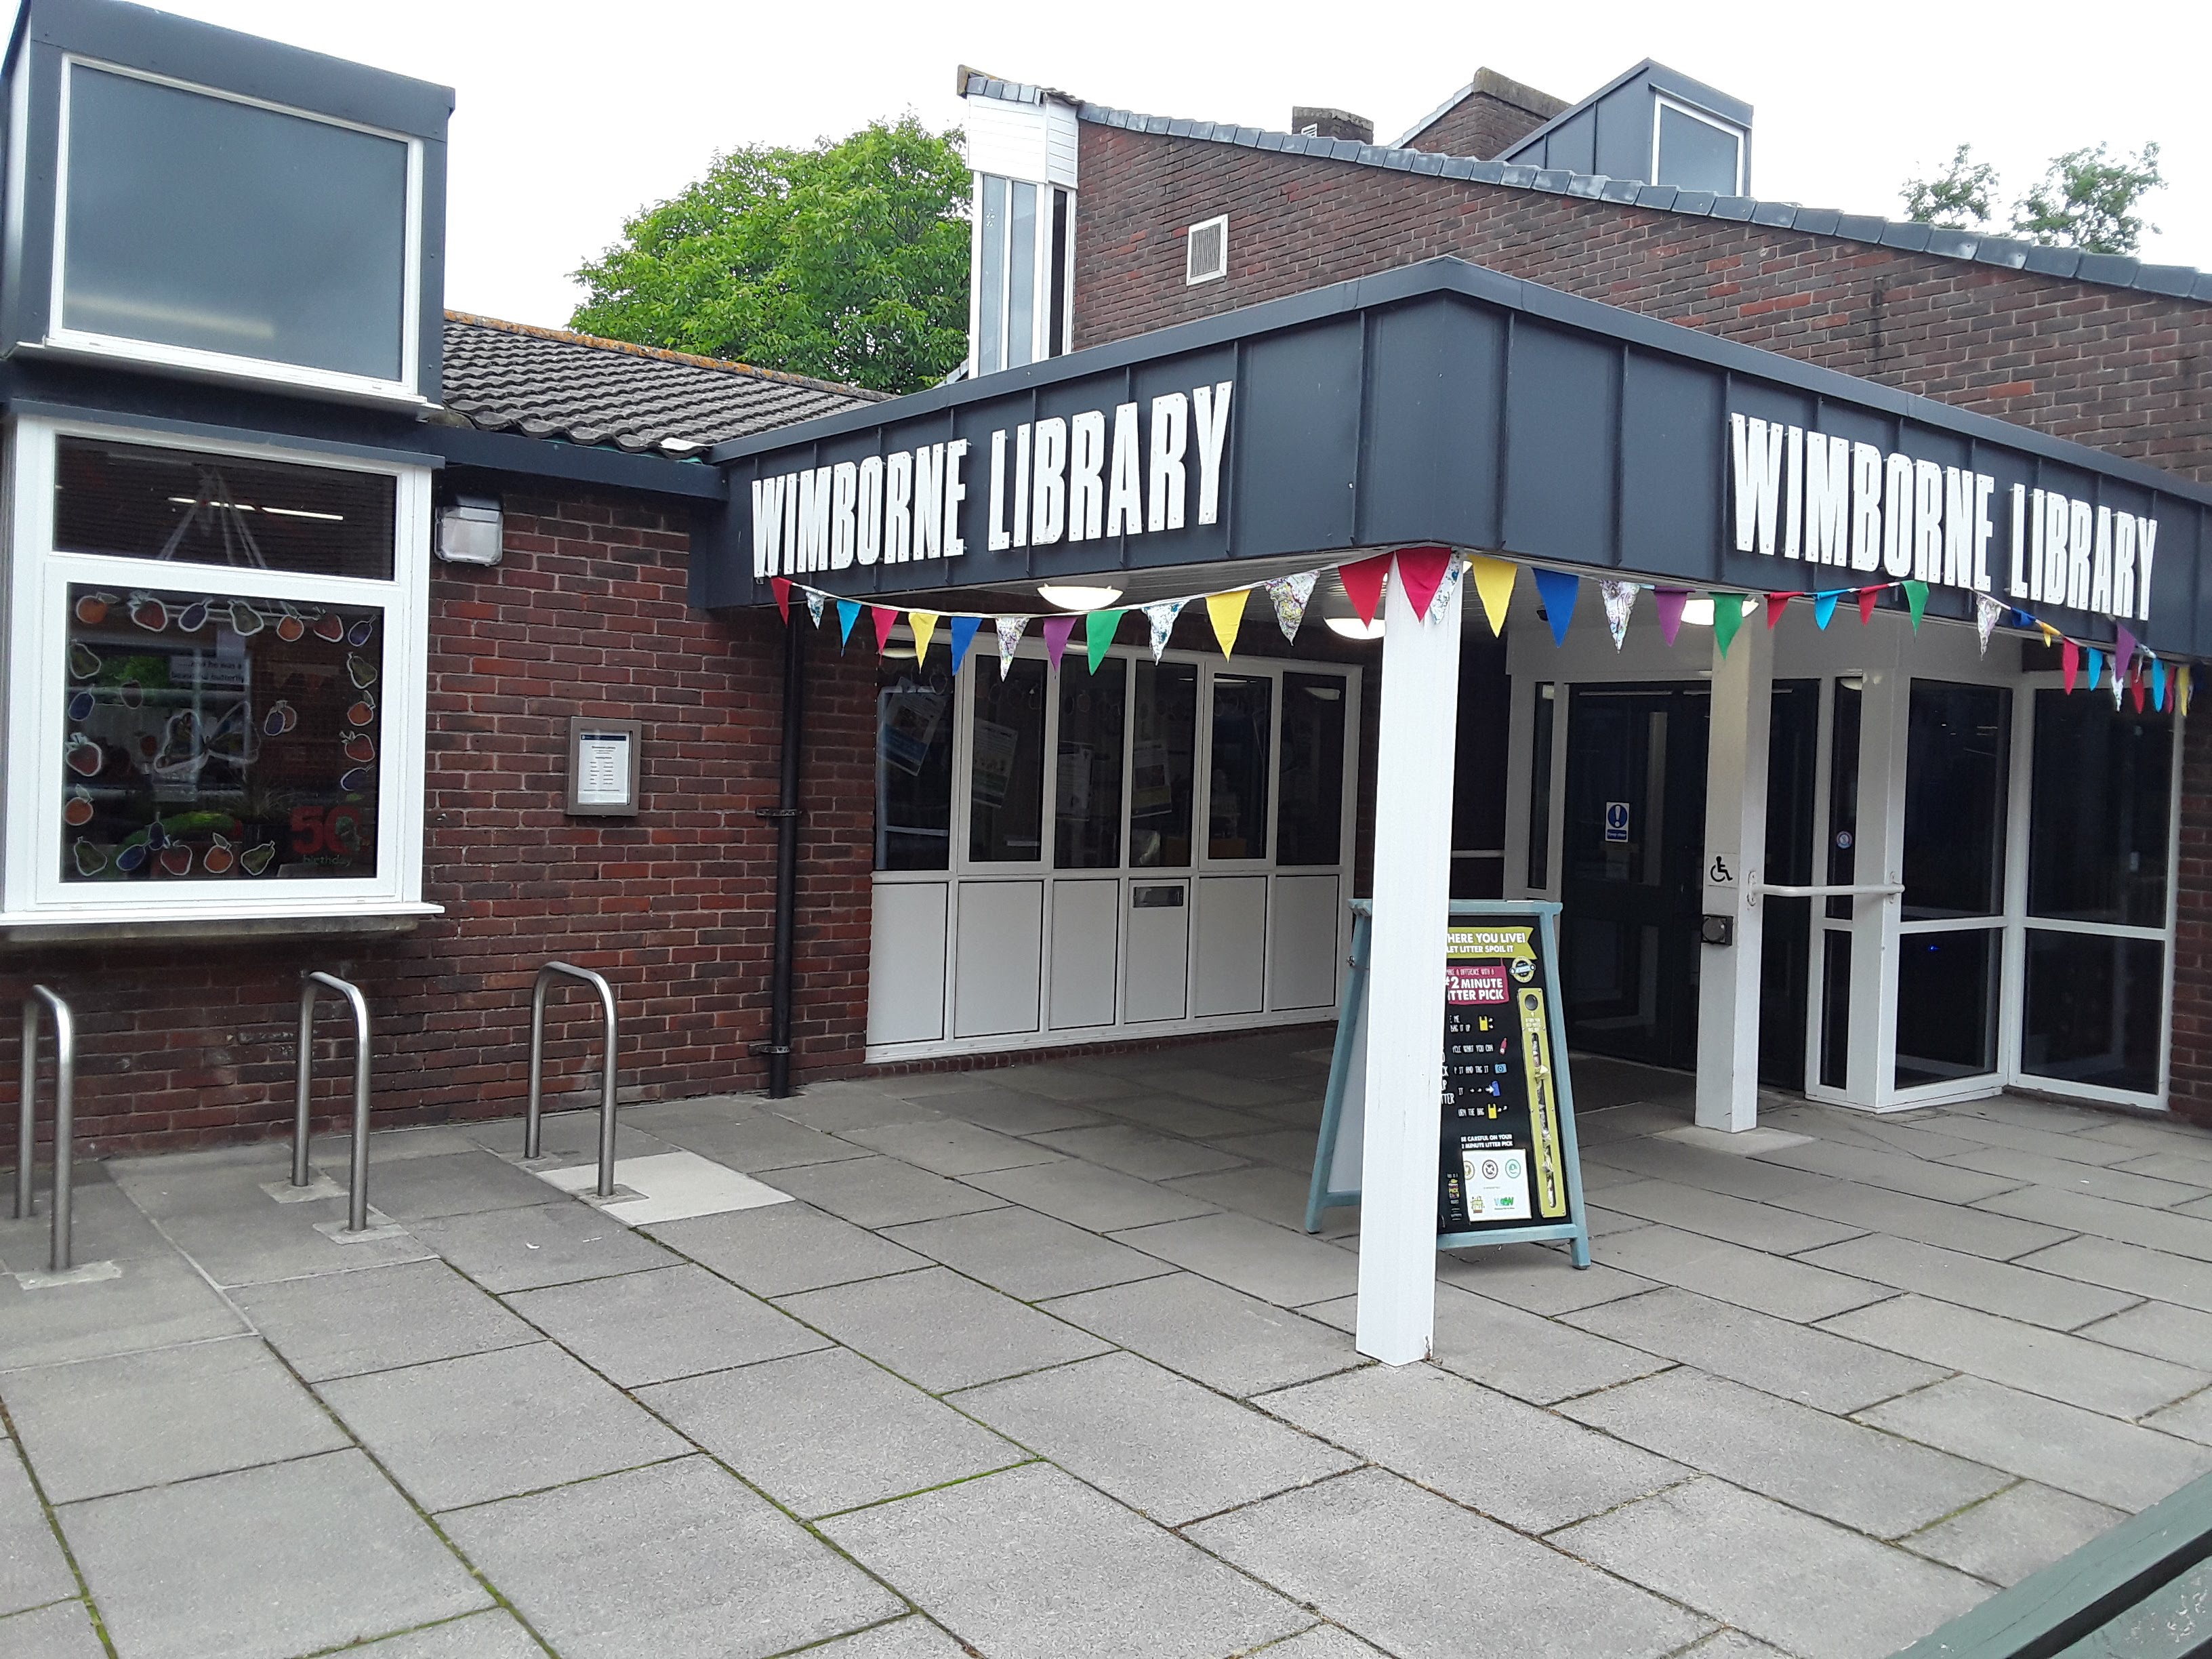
1616,820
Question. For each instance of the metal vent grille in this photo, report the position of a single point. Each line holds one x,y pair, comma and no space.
1206,251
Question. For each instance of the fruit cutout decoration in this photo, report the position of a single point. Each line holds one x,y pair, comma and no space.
149,613
84,661
290,629
80,706
331,627
361,632
362,713
92,608
176,860
256,859
219,859
90,861
77,810
362,671
195,617
84,756
281,718
244,621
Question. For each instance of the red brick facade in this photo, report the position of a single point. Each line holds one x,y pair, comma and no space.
1496,114
181,1044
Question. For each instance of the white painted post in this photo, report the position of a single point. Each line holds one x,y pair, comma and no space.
1885,715
1406,980
1735,844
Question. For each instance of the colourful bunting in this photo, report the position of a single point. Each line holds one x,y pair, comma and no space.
1620,600
1445,589
963,635
2119,685
1161,617
848,612
1226,612
782,586
2096,667
1010,635
2070,661
2124,653
814,605
1493,584
1824,607
1056,631
1668,602
886,619
1098,630
1558,591
2181,692
2135,687
1289,595
1362,584
1422,570
1916,599
1987,613
2158,681
1728,617
923,623
1776,604
1869,598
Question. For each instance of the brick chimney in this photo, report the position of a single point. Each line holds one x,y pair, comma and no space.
1317,122
1489,118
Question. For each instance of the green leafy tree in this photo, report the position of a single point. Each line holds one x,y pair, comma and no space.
2087,200
1957,198
848,261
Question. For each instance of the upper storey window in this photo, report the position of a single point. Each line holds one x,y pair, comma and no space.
1692,150
1025,234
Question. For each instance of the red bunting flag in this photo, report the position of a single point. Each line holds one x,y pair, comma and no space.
1362,584
2136,686
1776,604
2069,659
1869,598
782,586
1422,569
886,618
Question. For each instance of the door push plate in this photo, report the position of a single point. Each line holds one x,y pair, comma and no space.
1717,930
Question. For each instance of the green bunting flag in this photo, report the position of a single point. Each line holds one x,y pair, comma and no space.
1728,617
1916,598
1099,628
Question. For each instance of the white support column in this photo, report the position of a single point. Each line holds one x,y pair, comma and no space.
1735,846
1406,979
1885,714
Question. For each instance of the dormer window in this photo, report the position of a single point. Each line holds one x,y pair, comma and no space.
1694,150
1025,235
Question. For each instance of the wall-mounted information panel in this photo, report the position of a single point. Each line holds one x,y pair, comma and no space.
1507,1168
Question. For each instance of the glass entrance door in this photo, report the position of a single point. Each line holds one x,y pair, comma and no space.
1632,837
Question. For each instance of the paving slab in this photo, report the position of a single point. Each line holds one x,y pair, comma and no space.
1178,1114
489,1425
153,1304
493,1635
105,1225
1321,1642
2079,1451
2021,1530
142,1419
1758,1226
2191,1418
785,1247
1802,1583
883,1192
948,1147
2129,1268
2122,1185
1976,1231
2183,1335
1145,1153
1222,1088
1012,1112
2079,1145
1272,1263
1732,1644
1026,1254
1062,1080
1428,1580
554,1243
1166,1447
1088,1196
835,1108
1538,1360
941,1331
1829,1465
1109,1574
451,1183
353,1559
678,1561
2027,1357
1750,1279
2013,1290
1273,1195
665,1323
2148,1134
62,1631
1898,1172
828,1431
1227,1340
33,1570
911,1637
1290,1148
2036,1114
2190,1168
342,1324
218,1215
1535,1277
755,1144
2158,1230
1525,1467
1665,1157
1813,1367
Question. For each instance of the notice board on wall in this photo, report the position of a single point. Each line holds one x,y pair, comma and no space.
1507,1170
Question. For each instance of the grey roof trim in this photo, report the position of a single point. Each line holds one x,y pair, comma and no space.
2107,270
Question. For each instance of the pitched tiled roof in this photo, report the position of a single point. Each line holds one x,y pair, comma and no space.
2112,270
547,383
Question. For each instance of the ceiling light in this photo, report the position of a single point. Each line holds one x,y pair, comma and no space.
1697,612
1074,596
1352,627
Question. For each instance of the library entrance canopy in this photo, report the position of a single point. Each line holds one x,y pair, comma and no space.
1445,404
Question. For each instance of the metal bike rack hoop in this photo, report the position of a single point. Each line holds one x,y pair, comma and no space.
530,1124
58,1256
310,986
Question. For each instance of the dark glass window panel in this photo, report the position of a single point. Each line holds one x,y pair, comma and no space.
202,222
2097,817
1163,748
1056,329
1842,797
1309,816
1087,817
1021,277
990,279
1006,801
1540,792
136,501
1236,799
207,737
2093,1010
1620,760
914,768
1835,1008
1695,154
1957,747
1947,1006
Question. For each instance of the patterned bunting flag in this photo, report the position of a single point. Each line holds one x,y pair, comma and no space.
1289,595
814,605
1362,584
1098,630
1668,602
1823,608
1916,599
848,612
1493,585
1619,600
1056,631
1422,570
1987,614
1728,617
1869,598
923,623
781,588
2119,685
1162,616
963,635
1226,612
1558,591
886,618
2069,662
1010,635
1445,589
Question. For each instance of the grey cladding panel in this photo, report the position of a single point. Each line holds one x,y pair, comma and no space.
1432,452
1624,132
1293,451
1572,144
1674,423
1560,408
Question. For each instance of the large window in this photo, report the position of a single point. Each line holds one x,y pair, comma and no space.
206,231
216,672
1692,150
914,767
1022,245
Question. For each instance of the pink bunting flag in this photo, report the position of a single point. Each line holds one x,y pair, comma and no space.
1668,602
1056,631
886,619
1422,569
2070,661
1362,584
1869,598
782,586
1776,604
2124,653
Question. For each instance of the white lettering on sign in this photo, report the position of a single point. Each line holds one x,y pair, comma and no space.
1068,478
1821,500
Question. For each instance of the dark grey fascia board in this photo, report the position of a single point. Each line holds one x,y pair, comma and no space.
1450,275
517,456
229,436
160,43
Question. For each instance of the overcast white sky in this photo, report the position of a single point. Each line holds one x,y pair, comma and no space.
571,116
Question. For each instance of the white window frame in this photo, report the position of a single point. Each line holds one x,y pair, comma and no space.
227,365
1661,101
31,888
1191,279
1042,344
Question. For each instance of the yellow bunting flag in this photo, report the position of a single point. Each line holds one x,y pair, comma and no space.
2181,689
1493,581
1227,612
923,623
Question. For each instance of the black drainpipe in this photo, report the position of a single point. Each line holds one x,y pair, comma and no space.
786,814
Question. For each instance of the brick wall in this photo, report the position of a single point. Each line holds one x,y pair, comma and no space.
182,1043
2129,372
2191,1082
1492,117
